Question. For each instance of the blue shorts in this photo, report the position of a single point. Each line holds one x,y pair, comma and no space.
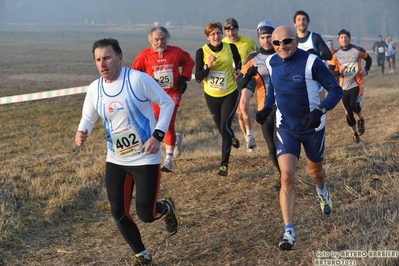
290,142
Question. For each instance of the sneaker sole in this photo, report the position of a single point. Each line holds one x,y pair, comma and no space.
222,173
165,169
287,246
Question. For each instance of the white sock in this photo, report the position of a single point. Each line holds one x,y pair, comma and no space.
249,132
169,155
144,254
321,190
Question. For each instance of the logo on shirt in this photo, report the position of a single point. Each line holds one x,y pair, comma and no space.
115,107
297,78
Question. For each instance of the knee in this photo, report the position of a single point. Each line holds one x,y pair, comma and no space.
287,180
244,108
145,216
117,213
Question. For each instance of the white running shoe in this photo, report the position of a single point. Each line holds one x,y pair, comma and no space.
167,166
288,242
177,151
325,201
251,144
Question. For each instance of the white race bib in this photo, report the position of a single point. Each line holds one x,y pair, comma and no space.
217,80
126,142
165,78
351,70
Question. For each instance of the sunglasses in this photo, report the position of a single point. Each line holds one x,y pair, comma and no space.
285,41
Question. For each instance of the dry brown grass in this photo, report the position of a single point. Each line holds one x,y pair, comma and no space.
53,206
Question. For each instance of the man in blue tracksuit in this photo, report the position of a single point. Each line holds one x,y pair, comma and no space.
295,76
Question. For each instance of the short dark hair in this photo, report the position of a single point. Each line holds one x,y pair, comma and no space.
303,13
107,42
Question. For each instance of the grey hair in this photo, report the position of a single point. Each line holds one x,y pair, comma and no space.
159,29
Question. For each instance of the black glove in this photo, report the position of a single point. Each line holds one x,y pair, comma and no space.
182,84
312,120
261,116
251,72
313,51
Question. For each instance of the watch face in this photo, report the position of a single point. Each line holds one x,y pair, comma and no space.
323,110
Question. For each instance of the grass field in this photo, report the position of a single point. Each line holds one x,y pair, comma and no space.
53,206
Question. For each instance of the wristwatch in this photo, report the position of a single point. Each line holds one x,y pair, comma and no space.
322,109
205,67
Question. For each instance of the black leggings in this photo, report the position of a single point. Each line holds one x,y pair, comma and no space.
351,105
223,110
120,181
269,134
381,61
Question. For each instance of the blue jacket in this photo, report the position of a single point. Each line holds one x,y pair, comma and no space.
294,87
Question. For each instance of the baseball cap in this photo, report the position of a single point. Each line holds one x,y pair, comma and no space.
344,31
265,27
230,24
329,42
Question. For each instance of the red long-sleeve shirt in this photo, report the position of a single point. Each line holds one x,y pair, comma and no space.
165,66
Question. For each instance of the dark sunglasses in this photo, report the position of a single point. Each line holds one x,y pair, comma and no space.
285,41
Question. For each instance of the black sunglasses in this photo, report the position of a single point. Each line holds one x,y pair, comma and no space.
285,41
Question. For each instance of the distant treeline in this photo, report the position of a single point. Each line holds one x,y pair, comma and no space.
367,18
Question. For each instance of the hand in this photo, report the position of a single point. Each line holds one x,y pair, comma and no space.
312,120
313,51
182,84
251,72
81,137
261,116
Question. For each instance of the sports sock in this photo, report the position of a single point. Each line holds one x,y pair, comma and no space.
321,190
169,155
290,227
144,254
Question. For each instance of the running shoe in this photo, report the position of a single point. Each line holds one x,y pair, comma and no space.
356,138
223,170
167,166
177,151
288,242
141,261
172,220
251,144
325,202
360,126
235,143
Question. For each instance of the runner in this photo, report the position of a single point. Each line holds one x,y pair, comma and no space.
254,74
245,45
163,62
122,98
295,76
346,64
214,63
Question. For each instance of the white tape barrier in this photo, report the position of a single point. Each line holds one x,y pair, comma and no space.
42,95
47,94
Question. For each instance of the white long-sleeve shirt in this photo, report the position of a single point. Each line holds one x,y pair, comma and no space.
125,107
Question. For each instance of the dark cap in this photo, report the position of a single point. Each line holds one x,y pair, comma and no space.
343,31
379,36
230,24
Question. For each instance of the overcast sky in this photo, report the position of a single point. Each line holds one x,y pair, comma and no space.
364,17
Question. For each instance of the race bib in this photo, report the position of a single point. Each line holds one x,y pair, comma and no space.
217,80
165,78
126,142
351,70
381,50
